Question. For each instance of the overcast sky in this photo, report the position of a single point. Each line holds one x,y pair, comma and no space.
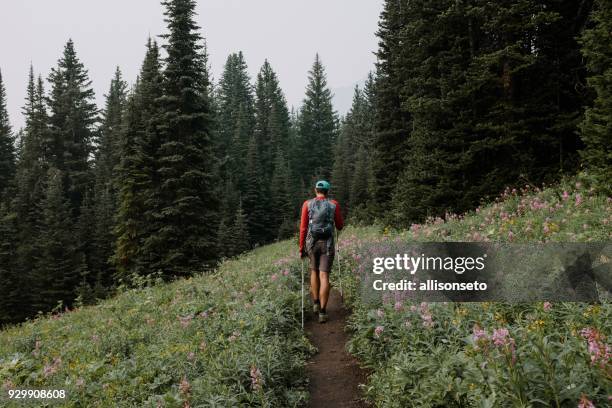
108,33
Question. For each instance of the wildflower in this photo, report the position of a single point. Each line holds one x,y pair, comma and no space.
50,369
274,277
585,402
398,306
191,356
36,351
510,235
234,336
380,313
501,337
407,324
565,195
202,346
578,199
185,387
600,352
479,335
256,378
427,320
80,382
186,320
286,272
203,314
379,330
547,306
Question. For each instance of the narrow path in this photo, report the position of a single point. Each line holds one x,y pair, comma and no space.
334,374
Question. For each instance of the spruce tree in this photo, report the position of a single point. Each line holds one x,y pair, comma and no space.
236,120
60,264
137,180
596,128
392,120
7,144
271,117
255,197
73,115
318,125
14,305
187,213
108,159
240,233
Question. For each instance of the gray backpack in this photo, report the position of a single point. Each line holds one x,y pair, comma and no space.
321,219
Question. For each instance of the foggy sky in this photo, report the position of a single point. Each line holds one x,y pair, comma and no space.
108,33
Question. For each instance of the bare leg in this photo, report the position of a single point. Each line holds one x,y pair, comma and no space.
324,289
314,284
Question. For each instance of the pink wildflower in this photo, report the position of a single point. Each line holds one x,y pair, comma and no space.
274,277
286,272
565,196
185,387
585,402
578,199
398,306
256,378
478,334
379,330
547,306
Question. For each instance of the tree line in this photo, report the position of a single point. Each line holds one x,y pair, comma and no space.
176,172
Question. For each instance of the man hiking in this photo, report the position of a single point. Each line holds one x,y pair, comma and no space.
319,217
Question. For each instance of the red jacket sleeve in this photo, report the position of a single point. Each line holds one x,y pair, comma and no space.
303,225
338,220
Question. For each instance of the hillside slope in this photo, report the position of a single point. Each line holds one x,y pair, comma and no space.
488,354
207,341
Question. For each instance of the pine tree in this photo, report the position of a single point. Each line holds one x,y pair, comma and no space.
187,212
596,129
240,233
136,178
271,117
14,305
7,144
236,118
317,127
108,159
73,115
255,197
282,211
60,264
392,120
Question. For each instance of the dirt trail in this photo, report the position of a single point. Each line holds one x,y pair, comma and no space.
334,374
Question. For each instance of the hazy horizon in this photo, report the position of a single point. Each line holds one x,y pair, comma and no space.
287,33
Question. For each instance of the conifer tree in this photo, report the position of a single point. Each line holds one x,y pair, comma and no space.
282,213
14,302
60,264
236,120
255,197
596,129
108,159
137,180
73,115
7,144
186,216
271,117
240,233
317,127
392,120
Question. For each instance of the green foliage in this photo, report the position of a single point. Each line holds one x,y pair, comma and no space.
596,129
434,355
185,213
211,340
318,125
73,115
7,144
136,176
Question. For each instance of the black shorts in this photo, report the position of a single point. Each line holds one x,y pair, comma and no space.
319,260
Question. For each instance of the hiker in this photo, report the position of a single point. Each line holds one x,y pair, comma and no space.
319,217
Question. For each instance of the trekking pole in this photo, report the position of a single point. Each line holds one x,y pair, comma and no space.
302,262
339,262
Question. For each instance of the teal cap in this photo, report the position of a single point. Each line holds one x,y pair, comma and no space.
323,185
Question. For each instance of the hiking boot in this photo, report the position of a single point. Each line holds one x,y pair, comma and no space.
316,307
323,317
